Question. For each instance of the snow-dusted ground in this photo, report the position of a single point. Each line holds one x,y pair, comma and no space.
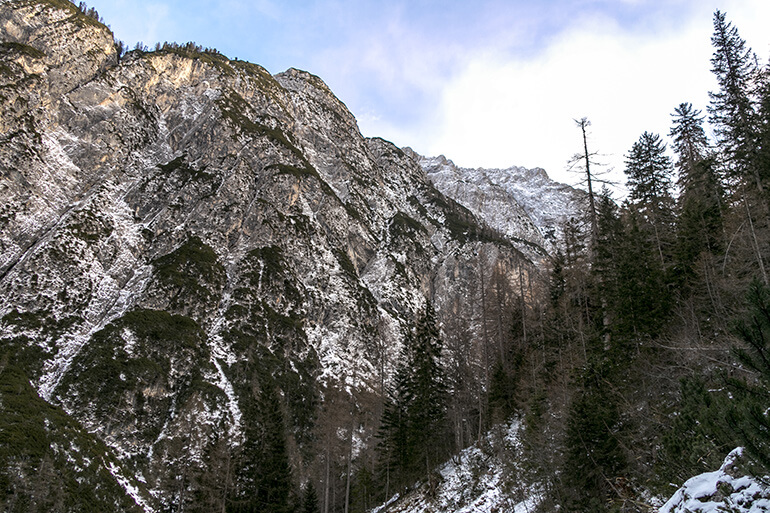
484,478
130,488
724,490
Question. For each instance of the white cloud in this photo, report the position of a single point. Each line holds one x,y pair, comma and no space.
500,111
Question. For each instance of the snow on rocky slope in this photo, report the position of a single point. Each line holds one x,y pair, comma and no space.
484,478
524,204
728,489
178,229
487,478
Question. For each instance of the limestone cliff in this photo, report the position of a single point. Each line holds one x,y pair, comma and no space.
176,228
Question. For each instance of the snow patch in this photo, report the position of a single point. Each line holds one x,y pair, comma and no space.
129,338
130,489
220,352
235,431
721,490
476,481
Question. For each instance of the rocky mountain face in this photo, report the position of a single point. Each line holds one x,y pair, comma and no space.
524,204
179,233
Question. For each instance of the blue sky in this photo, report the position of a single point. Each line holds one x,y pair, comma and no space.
487,83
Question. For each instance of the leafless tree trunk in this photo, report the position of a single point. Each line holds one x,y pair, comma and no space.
583,123
350,469
326,486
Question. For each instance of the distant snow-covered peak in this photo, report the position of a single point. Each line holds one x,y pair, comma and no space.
521,203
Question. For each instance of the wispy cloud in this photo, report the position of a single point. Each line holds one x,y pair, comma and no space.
502,111
506,107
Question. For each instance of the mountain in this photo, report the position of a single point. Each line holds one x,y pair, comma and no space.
211,285
524,204
185,240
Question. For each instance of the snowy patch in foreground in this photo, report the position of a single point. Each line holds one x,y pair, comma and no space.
482,479
721,490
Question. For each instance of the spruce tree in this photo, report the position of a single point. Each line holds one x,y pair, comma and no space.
310,499
690,142
414,429
698,439
748,416
631,276
734,114
649,170
700,219
429,396
264,473
502,389
607,263
272,474
594,457
732,110
763,136
395,443
700,223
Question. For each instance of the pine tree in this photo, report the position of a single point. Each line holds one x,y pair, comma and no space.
698,440
268,466
763,132
274,484
763,127
644,249
502,389
394,445
310,499
557,280
737,120
607,264
594,458
748,416
364,491
630,275
690,143
414,430
649,170
429,399
732,108
700,220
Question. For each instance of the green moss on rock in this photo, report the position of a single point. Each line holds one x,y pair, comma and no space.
21,49
182,168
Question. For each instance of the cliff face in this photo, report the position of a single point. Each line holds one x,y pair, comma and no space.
524,204
178,229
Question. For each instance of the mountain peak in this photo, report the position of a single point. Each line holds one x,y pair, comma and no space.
524,204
